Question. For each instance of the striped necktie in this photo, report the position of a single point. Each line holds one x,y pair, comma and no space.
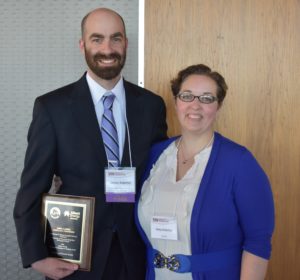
109,131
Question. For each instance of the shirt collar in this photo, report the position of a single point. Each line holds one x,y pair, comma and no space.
98,91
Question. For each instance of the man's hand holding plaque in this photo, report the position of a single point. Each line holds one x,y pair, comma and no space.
55,268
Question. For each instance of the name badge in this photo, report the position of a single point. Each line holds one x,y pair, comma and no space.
120,184
164,228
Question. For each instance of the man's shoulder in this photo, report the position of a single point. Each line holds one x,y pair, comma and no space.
64,91
140,91
59,91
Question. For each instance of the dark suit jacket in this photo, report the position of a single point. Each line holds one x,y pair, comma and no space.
64,138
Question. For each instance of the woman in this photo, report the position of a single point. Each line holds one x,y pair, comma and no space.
206,209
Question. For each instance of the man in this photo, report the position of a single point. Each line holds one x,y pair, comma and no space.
66,138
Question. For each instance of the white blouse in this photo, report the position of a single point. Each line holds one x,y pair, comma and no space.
162,196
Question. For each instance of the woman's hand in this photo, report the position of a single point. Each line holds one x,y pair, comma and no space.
253,267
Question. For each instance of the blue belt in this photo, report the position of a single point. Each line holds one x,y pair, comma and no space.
195,263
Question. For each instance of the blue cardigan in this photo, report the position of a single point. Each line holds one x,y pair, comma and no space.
233,207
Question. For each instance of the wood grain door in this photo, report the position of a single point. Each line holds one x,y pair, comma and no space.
255,45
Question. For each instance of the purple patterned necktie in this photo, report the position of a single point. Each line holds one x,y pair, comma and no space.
109,131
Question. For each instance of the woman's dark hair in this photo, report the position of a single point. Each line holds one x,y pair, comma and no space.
200,69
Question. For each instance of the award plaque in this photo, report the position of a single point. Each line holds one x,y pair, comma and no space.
68,223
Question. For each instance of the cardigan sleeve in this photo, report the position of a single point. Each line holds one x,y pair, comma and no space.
254,201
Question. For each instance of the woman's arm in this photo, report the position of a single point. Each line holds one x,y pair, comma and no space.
253,267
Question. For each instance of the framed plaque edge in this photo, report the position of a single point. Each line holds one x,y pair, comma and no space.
86,240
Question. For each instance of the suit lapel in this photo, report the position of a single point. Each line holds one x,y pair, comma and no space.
85,115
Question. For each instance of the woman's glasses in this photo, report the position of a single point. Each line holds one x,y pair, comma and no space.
187,96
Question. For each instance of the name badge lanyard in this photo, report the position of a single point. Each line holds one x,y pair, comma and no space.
120,182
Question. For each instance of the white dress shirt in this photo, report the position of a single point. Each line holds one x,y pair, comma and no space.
119,107
162,195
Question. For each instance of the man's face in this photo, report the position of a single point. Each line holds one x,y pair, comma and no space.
104,44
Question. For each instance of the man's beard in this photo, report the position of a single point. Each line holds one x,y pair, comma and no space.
106,72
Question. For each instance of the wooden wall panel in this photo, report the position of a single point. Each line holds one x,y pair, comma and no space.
255,44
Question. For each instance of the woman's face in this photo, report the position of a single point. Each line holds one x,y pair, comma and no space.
195,116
